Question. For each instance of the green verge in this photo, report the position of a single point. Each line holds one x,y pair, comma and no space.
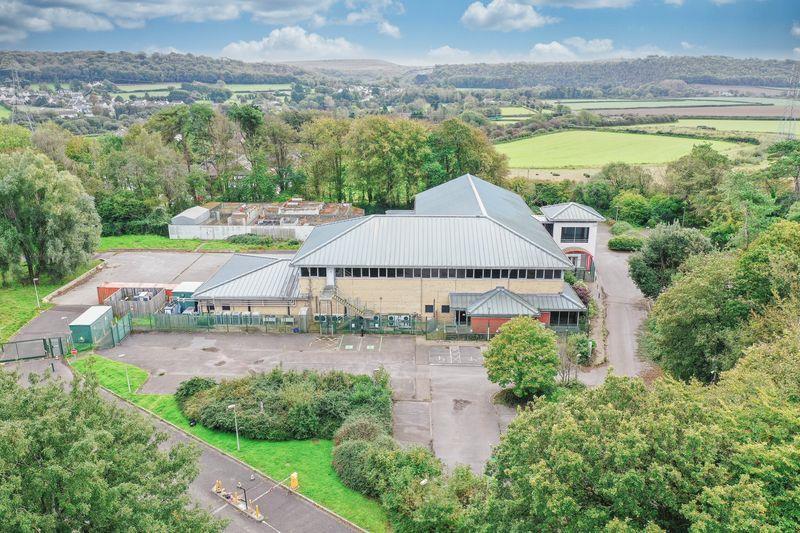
311,459
159,242
18,301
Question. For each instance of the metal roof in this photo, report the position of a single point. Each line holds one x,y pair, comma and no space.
187,286
501,302
91,315
571,212
566,300
466,222
252,277
194,215
427,241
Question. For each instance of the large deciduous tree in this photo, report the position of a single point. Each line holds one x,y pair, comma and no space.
70,461
665,249
694,179
48,216
463,149
523,355
323,156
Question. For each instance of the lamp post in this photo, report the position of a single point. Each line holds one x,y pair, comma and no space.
127,377
235,424
239,486
36,290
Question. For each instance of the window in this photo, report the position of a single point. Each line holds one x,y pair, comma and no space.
226,307
381,272
462,273
348,272
513,273
322,272
478,273
495,274
574,234
409,272
373,272
452,273
564,318
426,273
504,273
356,272
461,317
429,308
434,272
548,274
390,272
304,271
445,309
210,308
339,272
417,272
470,273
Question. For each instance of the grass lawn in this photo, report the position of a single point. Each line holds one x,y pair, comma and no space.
751,126
18,301
159,242
596,148
4,112
256,87
135,87
311,459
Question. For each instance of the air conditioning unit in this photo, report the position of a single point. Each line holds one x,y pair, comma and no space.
392,319
318,318
405,318
272,319
144,296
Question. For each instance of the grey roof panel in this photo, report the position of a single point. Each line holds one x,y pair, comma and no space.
566,300
252,277
501,302
428,241
571,212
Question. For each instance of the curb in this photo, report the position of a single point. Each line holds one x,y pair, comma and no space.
75,282
337,516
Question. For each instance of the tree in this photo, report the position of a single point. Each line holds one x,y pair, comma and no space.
625,177
744,212
323,156
693,329
14,137
694,179
664,250
50,218
631,207
785,156
463,149
523,355
70,461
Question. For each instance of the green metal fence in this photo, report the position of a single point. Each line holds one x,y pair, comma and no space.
55,346
242,322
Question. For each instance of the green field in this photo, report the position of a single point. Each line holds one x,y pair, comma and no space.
752,126
515,111
18,301
4,112
596,148
634,104
136,87
257,87
141,88
311,459
158,242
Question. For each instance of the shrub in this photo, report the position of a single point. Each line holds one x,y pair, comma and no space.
359,427
251,238
621,227
582,290
192,386
353,461
579,348
625,243
283,405
569,277
631,207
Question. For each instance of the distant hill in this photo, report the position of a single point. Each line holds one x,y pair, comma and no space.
126,67
365,69
716,70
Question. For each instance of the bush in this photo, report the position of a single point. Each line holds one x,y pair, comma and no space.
251,239
625,243
582,290
359,427
353,461
283,405
621,227
192,386
569,277
579,348
631,207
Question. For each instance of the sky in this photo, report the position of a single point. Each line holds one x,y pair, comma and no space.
411,32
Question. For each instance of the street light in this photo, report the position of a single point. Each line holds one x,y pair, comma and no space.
235,424
239,486
36,290
127,377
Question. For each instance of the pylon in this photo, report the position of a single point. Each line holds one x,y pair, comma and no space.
218,487
293,483
257,514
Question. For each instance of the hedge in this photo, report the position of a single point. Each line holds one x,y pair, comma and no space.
625,243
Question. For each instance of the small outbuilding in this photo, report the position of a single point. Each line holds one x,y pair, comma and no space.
92,325
192,216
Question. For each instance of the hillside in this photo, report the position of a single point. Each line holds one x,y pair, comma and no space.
126,67
353,67
716,70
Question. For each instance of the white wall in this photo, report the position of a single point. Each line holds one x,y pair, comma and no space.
587,246
215,232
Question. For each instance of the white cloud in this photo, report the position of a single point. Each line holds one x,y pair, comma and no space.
796,51
686,45
722,2
387,28
447,54
580,49
796,29
292,43
163,50
585,4
503,15
674,2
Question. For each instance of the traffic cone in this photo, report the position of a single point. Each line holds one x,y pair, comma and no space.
293,483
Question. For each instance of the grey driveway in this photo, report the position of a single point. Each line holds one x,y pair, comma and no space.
627,310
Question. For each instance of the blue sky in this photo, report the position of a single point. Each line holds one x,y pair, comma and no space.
409,31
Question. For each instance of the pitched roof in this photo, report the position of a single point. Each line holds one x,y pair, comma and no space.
501,302
571,212
566,300
252,277
466,222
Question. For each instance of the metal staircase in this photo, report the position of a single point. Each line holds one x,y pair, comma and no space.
331,293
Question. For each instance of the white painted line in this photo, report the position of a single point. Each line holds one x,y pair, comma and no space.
340,343
360,341
223,506
370,346
348,346
380,346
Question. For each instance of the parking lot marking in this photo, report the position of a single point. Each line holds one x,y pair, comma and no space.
360,341
340,342
223,506
348,346
380,346
370,346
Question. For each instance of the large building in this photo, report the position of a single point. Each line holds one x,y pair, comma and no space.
468,253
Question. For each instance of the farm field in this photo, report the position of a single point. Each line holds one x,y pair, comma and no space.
310,458
672,102
574,149
4,112
135,87
515,111
752,126
744,111
235,87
